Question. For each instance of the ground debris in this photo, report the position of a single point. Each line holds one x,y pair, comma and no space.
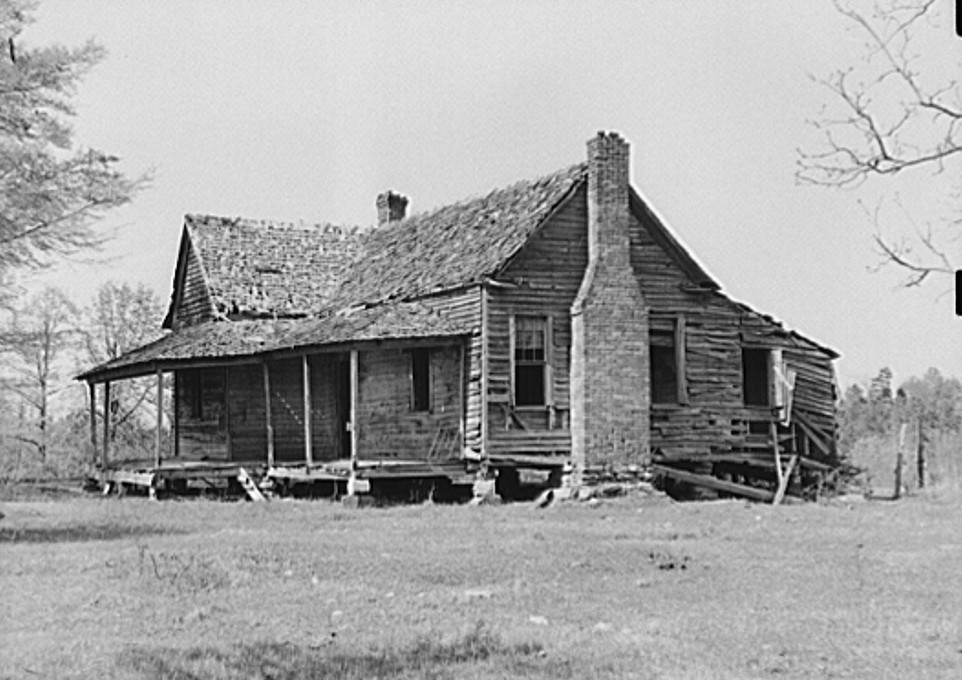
478,594
594,491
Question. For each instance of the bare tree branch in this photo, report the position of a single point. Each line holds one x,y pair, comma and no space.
891,121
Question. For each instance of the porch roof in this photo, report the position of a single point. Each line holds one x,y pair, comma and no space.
224,340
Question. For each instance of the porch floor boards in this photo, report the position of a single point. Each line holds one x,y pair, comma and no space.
456,469
143,473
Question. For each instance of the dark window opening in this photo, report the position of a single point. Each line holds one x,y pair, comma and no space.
664,369
530,360
755,379
529,386
194,387
421,379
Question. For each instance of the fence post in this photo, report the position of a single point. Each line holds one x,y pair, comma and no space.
920,455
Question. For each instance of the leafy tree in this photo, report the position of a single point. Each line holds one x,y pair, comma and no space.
933,399
853,417
50,193
881,403
936,400
896,111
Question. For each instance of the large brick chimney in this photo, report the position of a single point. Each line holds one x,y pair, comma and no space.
610,384
391,207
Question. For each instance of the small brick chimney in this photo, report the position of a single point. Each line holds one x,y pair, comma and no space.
391,207
610,383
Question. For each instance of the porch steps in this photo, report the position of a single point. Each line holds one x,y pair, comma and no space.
253,492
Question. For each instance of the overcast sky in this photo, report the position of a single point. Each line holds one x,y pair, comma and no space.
305,110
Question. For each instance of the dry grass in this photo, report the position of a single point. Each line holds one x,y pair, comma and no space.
630,588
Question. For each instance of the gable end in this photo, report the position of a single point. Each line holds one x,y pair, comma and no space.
190,300
661,236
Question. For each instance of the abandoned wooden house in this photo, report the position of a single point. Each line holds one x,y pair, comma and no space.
555,324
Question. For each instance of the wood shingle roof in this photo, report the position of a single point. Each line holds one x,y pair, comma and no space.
263,268
453,246
250,337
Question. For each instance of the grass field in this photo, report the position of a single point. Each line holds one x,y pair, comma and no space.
634,587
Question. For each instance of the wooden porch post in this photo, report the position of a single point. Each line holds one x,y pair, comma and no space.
93,422
485,367
308,424
680,370
462,425
106,451
267,406
773,429
354,423
176,424
160,418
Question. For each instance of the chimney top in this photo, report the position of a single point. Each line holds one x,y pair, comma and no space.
391,207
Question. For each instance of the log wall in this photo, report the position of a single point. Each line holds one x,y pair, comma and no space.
716,329
543,281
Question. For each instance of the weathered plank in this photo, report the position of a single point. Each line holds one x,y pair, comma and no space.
714,483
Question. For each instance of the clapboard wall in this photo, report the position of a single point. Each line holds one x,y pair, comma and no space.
541,281
389,426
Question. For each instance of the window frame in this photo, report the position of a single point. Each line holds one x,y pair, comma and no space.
769,381
674,324
422,356
193,385
546,363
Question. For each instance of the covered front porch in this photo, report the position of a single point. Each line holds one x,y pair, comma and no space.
336,418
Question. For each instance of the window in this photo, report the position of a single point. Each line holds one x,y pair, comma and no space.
664,370
666,347
530,340
193,387
421,379
755,378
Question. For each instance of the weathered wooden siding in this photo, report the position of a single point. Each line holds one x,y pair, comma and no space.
465,306
248,421
287,409
715,417
201,415
389,428
543,280
193,303
815,391
328,414
247,415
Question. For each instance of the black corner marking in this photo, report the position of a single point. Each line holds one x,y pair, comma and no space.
958,292
958,20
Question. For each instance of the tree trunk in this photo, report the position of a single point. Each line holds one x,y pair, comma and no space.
43,422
